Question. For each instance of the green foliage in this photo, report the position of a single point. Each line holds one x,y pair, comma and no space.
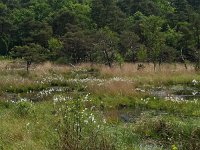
119,59
130,43
21,15
30,53
106,13
154,37
106,46
24,107
77,45
83,25
3,8
171,130
142,54
55,46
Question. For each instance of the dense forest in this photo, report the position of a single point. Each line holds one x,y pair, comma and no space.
101,31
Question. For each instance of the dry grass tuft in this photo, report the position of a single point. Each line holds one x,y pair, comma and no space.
4,64
165,74
47,67
128,69
113,88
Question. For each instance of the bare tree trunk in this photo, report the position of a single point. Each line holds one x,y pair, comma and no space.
182,57
6,45
28,64
108,59
154,66
160,62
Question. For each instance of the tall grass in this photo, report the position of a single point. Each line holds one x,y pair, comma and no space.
171,131
24,129
112,88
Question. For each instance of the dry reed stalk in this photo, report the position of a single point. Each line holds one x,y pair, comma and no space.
45,68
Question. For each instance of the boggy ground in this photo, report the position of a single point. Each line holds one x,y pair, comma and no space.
97,107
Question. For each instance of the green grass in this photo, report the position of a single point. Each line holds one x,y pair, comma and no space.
51,122
31,131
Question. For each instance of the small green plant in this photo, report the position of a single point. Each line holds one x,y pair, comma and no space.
5,104
140,67
119,59
174,147
24,107
25,88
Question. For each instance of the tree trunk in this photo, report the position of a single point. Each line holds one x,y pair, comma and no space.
154,66
185,64
6,46
108,59
198,38
159,65
28,64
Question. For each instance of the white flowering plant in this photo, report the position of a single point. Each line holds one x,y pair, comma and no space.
82,126
24,107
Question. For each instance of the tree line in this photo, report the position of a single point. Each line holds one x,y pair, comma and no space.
101,31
